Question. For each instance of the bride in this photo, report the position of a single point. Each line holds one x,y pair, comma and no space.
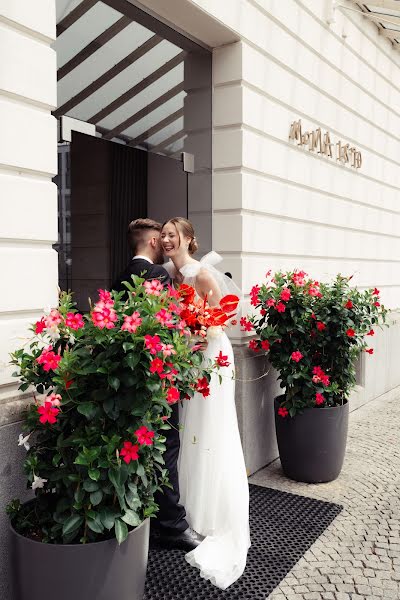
212,473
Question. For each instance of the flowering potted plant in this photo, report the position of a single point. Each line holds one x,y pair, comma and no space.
103,388
313,333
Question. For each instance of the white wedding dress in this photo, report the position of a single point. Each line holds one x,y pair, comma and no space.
212,473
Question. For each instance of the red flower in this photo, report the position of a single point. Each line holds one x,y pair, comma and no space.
152,343
144,436
153,287
156,365
270,302
40,325
187,293
377,303
48,413
319,399
173,395
74,320
376,292
371,332
280,307
229,303
245,324
369,350
129,452
172,292
350,332
48,359
296,356
320,376
254,299
265,345
298,278
313,316
202,387
348,304
320,326
314,291
285,294
68,383
253,345
263,312
283,411
221,360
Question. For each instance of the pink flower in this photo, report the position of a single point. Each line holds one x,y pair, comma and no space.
298,278
283,411
53,319
153,287
254,298
129,452
103,317
296,356
319,399
74,320
144,436
313,291
48,413
131,323
48,359
105,296
174,308
165,318
245,324
172,292
156,365
320,326
167,349
285,294
319,375
170,375
54,399
152,343
270,302
280,307
40,325
253,345
173,395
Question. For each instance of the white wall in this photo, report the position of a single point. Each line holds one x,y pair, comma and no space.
28,161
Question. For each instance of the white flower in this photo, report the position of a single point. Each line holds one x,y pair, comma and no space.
23,441
214,332
71,339
53,333
38,482
47,309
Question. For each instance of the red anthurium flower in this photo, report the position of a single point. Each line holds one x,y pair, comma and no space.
369,350
320,326
40,325
349,304
280,307
376,292
285,294
265,345
253,345
129,452
186,293
283,411
371,332
319,399
221,360
350,332
48,413
229,303
173,395
202,387
144,436
296,356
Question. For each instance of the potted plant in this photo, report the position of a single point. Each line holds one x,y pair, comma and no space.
103,388
313,333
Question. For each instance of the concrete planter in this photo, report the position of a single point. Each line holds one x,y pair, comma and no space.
312,445
97,571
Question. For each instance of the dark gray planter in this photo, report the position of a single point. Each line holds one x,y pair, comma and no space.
312,445
97,571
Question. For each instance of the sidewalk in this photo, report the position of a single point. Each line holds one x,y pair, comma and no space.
358,556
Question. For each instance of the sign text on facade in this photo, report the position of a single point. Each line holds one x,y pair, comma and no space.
321,143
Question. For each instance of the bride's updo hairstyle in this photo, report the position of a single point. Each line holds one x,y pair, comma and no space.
184,227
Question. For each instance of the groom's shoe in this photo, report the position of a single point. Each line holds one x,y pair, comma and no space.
186,540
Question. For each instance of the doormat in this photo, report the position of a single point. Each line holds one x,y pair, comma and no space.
283,526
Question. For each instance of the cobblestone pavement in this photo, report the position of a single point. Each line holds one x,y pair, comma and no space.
358,555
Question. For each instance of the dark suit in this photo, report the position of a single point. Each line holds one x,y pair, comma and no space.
171,514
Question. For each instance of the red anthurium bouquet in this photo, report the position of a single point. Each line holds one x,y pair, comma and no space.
103,385
313,333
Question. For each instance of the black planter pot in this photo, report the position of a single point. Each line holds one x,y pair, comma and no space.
312,445
97,571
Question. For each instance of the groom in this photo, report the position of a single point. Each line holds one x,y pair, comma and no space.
174,531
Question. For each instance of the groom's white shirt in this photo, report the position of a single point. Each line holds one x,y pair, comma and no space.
143,258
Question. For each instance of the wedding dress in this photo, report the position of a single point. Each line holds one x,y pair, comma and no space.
212,473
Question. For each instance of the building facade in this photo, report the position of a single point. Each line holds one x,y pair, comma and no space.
305,163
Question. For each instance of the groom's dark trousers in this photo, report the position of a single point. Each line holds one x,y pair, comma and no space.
171,514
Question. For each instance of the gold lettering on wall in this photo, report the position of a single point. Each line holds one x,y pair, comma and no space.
321,144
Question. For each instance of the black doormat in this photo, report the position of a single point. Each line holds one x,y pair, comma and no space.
283,526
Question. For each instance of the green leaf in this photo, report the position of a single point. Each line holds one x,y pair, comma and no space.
131,518
121,531
94,474
79,495
114,383
71,524
132,359
108,517
96,497
95,525
111,409
90,486
140,470
128,346
56,459
88,409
